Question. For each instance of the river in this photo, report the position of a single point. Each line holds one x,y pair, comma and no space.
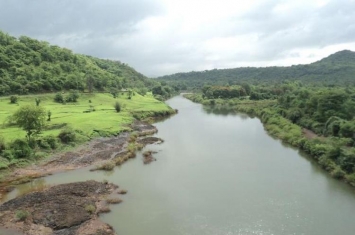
221,174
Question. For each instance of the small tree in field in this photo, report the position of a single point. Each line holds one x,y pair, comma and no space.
49,114
38,101
117,107
13,99
31,119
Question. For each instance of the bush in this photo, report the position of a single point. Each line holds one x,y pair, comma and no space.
13,99
67,135
43,144
21,215
90,208
337,173
20,149
72,97
106,166
2,144
38,101
59,98
52,141
117,107
351,179
8,154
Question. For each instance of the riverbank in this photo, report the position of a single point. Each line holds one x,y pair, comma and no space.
323,149
42,211
97,153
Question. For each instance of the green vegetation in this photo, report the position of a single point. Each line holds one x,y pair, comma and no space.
337,69
67,123
30,118
90,208
58,99
29,66
117,106
21,215
13,99
105,166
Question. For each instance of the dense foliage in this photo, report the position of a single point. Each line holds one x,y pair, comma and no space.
30,118
31,66
337,69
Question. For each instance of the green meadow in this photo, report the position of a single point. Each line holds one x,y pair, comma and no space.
93,114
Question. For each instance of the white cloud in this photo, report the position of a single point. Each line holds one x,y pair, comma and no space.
159,37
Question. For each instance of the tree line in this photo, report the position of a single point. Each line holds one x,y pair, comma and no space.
29,66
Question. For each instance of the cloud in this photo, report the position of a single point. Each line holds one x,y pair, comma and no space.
160,37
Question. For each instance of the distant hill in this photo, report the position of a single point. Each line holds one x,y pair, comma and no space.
31,66
336,69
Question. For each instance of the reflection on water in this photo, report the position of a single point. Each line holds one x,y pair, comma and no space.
222,174
36,185
225,111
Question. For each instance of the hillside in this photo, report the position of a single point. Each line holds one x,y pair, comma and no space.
337,69
31,66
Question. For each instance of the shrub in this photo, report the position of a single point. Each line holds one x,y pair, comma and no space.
38,101
2,144
90,208
117,107
49,115
21,215
8,154
351,179
338,173
13,99
21,149
59,98
52,141
72,97
67,135
106,166
48,142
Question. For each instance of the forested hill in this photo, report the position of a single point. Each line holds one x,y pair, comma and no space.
31,66
337,69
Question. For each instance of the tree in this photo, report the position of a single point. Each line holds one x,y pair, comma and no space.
38,101
59,98
117,107
49,114
72,97
90,83
13,99
31,119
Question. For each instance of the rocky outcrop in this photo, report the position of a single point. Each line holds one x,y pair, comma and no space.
67,209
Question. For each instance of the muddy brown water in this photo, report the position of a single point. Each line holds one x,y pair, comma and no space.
221,174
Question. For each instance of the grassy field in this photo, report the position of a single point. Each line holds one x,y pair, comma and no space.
93,113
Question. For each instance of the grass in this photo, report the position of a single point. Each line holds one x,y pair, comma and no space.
80,115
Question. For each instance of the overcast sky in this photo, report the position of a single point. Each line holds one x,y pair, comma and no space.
159,37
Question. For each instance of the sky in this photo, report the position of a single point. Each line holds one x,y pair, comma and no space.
160,37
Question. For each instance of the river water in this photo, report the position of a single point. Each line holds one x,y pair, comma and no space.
221,174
